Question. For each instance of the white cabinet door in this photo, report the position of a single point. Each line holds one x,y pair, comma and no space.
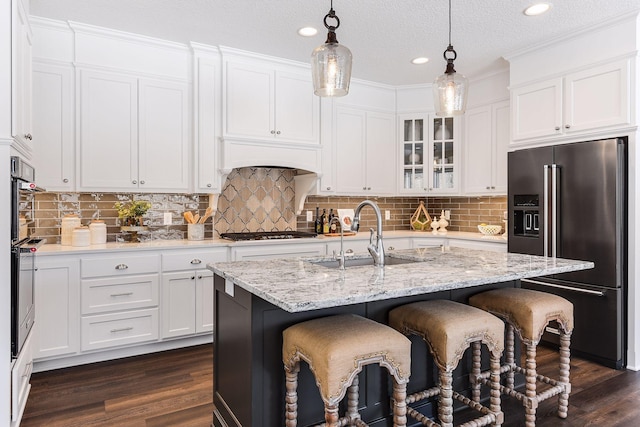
537,110
57,302
178,302
350,145
478,148
204,301
485,147
163,142
108,140
53,123
267,251
597,97
381,154
297,114
249,100
21,50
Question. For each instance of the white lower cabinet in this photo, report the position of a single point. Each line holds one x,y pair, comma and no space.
267,251
493,244
57,302
429,242
20,376
119,300
187,292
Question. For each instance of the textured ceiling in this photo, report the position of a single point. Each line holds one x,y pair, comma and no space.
382,35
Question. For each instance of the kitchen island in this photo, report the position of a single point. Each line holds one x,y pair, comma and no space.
256,301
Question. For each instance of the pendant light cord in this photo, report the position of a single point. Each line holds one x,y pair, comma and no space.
449,21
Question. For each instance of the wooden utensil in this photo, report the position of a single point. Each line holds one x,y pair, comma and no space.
206,216
189,217
196,218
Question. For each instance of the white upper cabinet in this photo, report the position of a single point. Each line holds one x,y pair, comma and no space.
364,152
21,82
585,101
270,103
486,131
430,150
133,133
53,107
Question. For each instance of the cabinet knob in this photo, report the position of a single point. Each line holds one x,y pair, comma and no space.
567,126
200,277
193,277
488,187
391,248
364,188
134,182
328,188
122,267
273,132
28,136
65,180
278,133
557,127
141,182
368,188
209,185
493,188
196,261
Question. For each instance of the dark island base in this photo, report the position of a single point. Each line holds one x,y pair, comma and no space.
248,370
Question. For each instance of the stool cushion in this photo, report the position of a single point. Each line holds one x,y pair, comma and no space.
449,328
527,310
337,347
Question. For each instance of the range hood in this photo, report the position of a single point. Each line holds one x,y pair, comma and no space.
305,158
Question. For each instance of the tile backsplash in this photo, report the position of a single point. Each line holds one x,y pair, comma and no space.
252,199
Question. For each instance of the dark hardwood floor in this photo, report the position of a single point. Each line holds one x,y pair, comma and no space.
174,388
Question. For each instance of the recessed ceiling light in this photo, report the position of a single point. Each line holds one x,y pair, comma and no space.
537,9
420,60
307,31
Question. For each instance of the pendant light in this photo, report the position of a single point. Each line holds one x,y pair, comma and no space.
331,63
450,89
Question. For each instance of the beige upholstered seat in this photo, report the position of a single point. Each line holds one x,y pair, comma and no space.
449,328
528,312
336,349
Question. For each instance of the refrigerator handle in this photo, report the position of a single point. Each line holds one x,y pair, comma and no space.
545,201
555,170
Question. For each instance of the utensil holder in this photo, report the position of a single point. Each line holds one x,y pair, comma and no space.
195,231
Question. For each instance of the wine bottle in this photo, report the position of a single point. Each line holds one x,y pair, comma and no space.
325,222
318,222
332,224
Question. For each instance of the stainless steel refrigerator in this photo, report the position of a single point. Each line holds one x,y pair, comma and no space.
570,201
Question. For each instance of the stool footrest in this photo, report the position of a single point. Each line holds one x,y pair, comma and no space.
424,394
346,421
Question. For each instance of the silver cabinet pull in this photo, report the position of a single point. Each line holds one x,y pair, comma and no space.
557,128
278,133
122,329
122,267
328,188
567,126
209,185
196,261
122,294
28,136
193,277
273,132
568,288
134,182
391,248
65,180
200,276
142,182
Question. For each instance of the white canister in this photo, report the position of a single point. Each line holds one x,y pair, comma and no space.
195,231
98,230
69,223
81,236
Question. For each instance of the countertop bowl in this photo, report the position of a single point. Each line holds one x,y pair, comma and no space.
489,230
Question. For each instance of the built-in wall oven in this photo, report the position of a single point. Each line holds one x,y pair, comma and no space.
23,252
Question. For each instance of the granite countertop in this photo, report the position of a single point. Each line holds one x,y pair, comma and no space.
298,284
208,243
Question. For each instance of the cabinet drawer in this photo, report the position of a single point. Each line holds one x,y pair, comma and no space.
116,329
192,260
120,265
20,376
119,293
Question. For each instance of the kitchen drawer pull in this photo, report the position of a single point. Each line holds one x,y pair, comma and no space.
193,277
557,127
28,136
568,288
200,277
122,329
208,185
122,294
196,261
122,267
134,182
65,180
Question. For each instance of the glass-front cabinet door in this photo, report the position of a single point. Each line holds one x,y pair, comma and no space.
430,153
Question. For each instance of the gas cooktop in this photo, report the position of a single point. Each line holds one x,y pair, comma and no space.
267,235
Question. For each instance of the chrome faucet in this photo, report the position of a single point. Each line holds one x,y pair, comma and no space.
339,257
376,250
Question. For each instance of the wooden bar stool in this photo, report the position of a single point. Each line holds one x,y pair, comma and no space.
528,312
449,328
336,349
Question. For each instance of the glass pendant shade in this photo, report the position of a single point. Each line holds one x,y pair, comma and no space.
450,94
331,69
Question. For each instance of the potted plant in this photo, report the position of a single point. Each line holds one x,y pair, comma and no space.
131,213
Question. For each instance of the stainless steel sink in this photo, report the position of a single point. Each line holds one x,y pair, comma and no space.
355,262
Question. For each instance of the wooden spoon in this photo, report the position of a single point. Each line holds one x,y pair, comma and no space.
206,216
196,217
188,216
